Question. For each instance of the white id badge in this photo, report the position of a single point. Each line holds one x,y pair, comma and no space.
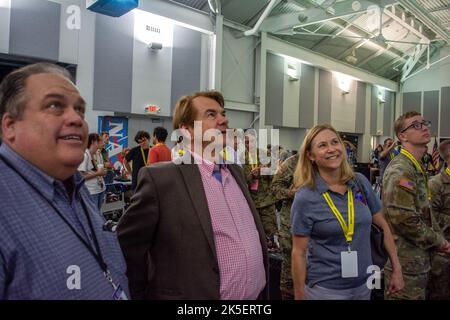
349,264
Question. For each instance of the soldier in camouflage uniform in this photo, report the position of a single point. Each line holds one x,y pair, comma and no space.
282,189
407,207
440,264
259,186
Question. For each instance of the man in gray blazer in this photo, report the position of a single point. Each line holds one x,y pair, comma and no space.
192,230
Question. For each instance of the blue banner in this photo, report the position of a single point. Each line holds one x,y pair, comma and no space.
117,128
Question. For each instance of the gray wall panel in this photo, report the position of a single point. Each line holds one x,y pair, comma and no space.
34,29
412,101
113,68
325,79
431,109
360,122
307,89
373,111
186,62
274,89
388,122
445,112
5,15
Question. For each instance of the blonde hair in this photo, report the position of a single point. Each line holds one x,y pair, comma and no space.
306,170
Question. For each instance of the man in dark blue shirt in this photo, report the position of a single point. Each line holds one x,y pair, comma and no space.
52,244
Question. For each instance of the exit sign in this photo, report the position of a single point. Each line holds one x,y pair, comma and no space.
152,109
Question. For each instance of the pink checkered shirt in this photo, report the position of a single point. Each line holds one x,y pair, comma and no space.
239,251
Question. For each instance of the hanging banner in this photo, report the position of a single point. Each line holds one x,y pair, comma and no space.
117,128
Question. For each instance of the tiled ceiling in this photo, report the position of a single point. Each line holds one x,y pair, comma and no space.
349,31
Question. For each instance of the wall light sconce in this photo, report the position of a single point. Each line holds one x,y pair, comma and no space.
155,46
292,73
344,82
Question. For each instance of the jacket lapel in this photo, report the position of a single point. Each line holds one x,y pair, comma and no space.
194,185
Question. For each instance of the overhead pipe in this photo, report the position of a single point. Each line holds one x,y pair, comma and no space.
217,8
266,12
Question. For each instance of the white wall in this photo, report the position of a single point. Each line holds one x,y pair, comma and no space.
343,106
432,79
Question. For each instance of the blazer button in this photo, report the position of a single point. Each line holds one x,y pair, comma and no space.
216,270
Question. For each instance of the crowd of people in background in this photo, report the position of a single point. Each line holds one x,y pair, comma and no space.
204,228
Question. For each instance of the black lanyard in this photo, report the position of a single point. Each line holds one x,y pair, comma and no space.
97,255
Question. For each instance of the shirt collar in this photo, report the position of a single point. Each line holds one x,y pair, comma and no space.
207,165
40,180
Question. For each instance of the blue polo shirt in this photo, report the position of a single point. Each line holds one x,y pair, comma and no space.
311,216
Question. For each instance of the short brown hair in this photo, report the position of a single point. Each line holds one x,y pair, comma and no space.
444,149
400,122
93,137
184,113
12,88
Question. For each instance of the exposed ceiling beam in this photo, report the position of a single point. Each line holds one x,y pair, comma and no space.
426,18
281,23
261,19
358,44
412,61
381,51
337,31
406,25
442,8
279,46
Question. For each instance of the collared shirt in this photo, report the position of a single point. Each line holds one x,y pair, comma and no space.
40,256
238,247
311,216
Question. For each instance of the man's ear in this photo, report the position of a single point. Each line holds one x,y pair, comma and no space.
8,127
402,137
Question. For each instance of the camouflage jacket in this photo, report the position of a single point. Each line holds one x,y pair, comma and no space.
262,197
283,180
407,210
282,184
440,189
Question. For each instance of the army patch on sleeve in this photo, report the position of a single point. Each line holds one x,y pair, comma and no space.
407,184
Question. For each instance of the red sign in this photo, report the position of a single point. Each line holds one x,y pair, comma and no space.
152,109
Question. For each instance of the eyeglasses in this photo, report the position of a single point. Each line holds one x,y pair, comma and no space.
142,140
418,125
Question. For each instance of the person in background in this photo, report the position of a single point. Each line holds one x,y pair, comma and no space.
138,156
192,230
427,161
283,190
350,149
53,246
375,158
440,195
388,153
160,152
92,170
407,204
331,217
259,187
109,176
